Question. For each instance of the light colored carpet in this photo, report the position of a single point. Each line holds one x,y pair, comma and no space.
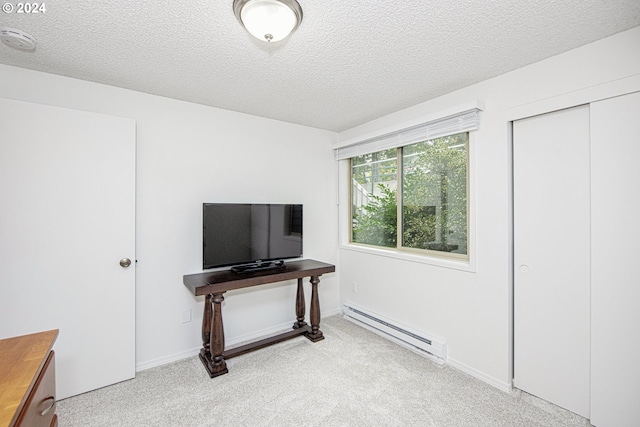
352,378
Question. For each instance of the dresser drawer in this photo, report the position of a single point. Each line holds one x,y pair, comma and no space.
40,407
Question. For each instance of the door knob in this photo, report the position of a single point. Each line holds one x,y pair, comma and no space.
125,262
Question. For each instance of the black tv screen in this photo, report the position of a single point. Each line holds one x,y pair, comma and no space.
245,233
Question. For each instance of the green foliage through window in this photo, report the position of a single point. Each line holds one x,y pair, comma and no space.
433,199
376,223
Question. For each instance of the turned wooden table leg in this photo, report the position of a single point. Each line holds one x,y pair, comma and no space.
316,333
299,307
217,338
206,327
214,359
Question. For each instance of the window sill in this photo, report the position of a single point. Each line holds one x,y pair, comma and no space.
466,265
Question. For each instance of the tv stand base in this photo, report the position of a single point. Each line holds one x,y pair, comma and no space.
262,266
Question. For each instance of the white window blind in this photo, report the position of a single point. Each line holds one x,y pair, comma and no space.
464,121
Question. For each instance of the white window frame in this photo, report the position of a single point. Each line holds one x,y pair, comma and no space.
428,257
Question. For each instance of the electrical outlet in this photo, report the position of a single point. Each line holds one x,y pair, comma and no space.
354,287
186,315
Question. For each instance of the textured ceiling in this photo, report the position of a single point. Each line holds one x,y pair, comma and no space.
349,61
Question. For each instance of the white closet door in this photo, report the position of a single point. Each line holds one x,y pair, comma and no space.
551,257
615,251
67,185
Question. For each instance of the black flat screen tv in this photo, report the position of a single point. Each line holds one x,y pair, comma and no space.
236,234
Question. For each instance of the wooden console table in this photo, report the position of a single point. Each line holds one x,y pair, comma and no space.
214,284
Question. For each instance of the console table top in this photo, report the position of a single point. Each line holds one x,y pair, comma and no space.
226,280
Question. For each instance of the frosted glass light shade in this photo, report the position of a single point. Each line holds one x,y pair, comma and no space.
268,20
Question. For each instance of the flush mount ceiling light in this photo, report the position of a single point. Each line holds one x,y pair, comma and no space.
268,20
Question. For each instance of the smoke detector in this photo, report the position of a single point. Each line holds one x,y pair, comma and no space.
17,39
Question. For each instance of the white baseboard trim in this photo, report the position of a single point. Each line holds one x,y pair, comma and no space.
170,358
337,310
506,387
252,336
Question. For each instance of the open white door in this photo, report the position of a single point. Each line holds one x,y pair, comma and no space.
552,257
67,185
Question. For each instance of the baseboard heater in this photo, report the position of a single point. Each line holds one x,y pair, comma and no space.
401,334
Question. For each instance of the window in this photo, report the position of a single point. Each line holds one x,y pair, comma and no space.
421,208
373,195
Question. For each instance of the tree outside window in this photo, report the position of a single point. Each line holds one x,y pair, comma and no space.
433,199
373,195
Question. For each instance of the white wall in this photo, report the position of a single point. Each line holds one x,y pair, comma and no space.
471,310
188,154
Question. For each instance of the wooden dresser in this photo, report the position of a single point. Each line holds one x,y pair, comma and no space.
28,381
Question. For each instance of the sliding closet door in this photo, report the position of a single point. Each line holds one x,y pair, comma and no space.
615,349
551,257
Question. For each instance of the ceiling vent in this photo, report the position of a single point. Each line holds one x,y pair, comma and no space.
17,39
